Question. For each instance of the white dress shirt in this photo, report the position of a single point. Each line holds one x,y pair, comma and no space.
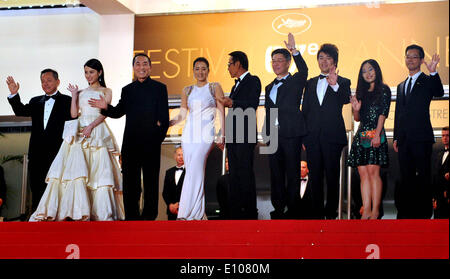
48,107
274,92
240,79
413,80
322,85
178,174
444,156
303,186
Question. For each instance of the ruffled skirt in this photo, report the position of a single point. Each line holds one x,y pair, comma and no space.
84,181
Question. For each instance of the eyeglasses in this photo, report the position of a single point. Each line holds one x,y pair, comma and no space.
278,61
412,57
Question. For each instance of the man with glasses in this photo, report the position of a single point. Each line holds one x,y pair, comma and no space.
324,97
284,95
413,134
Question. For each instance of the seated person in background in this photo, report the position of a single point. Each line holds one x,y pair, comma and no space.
173,183
222,190
2,189
306,206
441,199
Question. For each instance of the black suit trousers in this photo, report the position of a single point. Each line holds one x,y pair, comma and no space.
38,167
242,195
285,165
148,162
323,160
414,197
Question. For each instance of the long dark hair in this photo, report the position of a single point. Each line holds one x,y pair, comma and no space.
363,86
97,65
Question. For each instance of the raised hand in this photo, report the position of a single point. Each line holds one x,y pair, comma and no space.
290,44
433,63
227,102
332,76
356,105
12,85
98,103
73,90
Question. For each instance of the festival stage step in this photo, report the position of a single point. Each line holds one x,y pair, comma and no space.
268,239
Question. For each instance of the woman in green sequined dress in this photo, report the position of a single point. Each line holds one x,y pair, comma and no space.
369,149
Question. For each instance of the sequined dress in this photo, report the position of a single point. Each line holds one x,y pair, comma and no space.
372,106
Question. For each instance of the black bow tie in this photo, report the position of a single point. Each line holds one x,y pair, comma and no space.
276,81
445,149
48,97
237,80
180,168
322,76
303,179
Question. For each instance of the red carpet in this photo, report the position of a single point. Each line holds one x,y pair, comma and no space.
344,239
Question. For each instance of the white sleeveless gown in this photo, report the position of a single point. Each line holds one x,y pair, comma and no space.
196,140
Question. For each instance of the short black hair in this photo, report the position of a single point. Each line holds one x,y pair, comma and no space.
419,48
286,54
331,50
201,59
241,57
54,73
142,54
445,128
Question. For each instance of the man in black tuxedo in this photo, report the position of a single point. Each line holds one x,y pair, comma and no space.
306,205
413,135
284,95
173,183
145,102
48,113
441,197
242,137
324,97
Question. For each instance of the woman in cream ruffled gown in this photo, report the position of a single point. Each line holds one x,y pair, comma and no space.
84,181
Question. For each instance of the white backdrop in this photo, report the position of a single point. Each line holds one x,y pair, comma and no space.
64,39
32,40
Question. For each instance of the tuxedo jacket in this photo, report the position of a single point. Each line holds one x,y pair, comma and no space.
325,121
245,96
44,142
2,185
172,191
440,184
412,114
289,97
145,103
306,202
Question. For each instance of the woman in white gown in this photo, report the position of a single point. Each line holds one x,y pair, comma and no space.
84,181
198,138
